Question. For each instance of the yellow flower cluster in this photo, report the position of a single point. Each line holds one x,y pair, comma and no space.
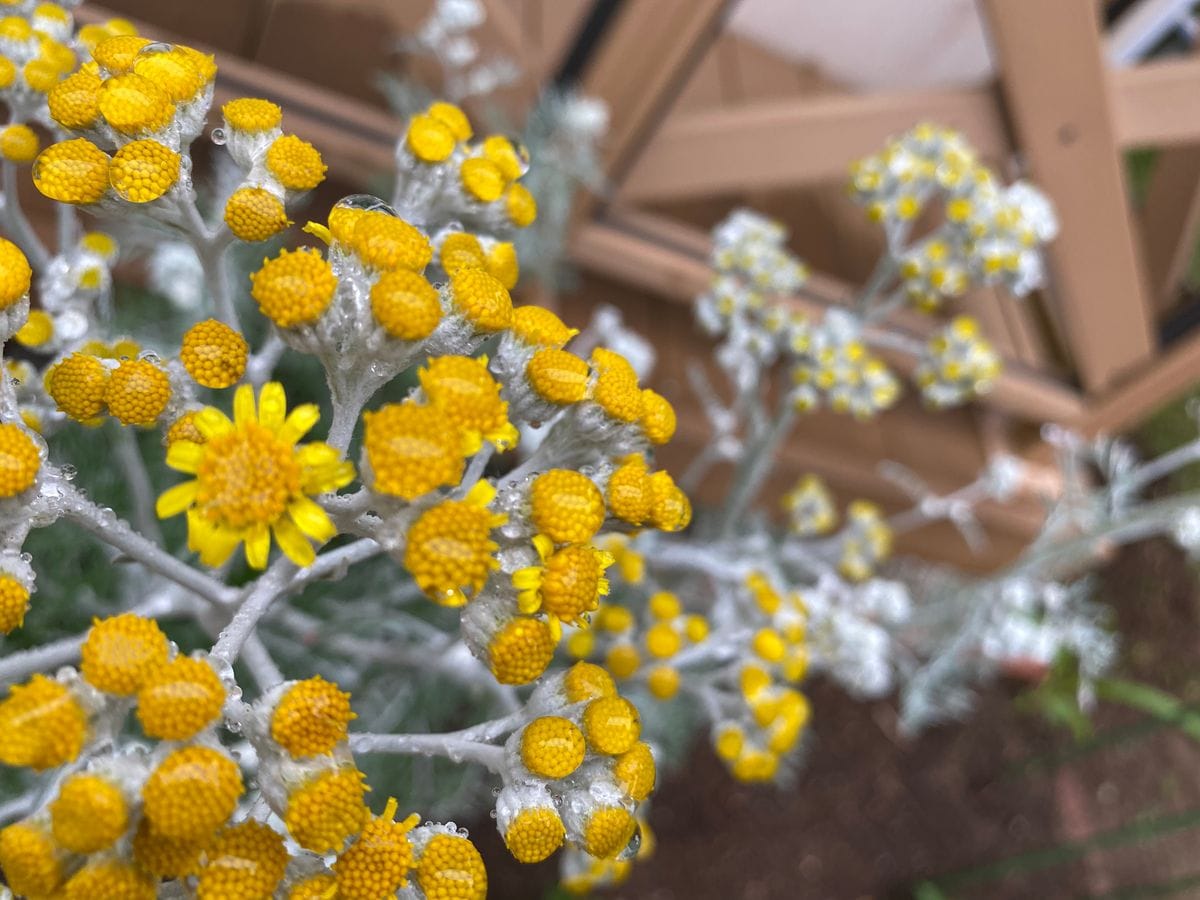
589,728
487,171
134,391
118,827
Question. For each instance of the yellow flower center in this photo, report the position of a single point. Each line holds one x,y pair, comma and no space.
142,171
558,376
481,299
521,207
14,601
520,651
534,834
246,860
573,582
138,392
75,101
214,354
311,717
18,143
566,506
180,699
410,451
251,114
192,793
323,812
42,725
89,814
295,163
74,171
247,477
587,681
450,868
552,747
255,214
384,241
449,550
608,831
294,288
31,863
121,652
406,305
612,725
134,105
110,878
377,863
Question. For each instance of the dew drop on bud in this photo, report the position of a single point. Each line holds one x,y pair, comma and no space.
218,136
634,845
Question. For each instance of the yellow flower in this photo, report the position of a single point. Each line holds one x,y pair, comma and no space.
18,143
558,376
116,54
616,389
75,101
429,140
180,699
255,214
176,71
164,856
89,814
409,451
520,650
15,274
539,327
14,601
376,865
294,288
567,585
587,681
192,793
608,831
252,480
78,386
73,171
251,115
42,725
534,834
383,241
453,118
406,305
566,506
449,547
32,864
460,250
135,105
552,747
295,163
213,354
628,493
311,717
142,171
138,392
635,771
521,206
122,652
658,417
482,179
246,860
481,299
449,867
19,460
463,390
37,330
325,810
611,725
110,878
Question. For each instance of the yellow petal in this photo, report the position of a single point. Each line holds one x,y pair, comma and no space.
294,545
505,437
318,230
528,578
298,422
311,519
258,546
243,406
481,494
272,405
211,422
214,544
173,501
529,602
555,628
185,456
543,545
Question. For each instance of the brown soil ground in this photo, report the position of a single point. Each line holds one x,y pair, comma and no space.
873,816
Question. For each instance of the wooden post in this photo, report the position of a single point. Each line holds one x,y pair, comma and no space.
1169,217
1056,83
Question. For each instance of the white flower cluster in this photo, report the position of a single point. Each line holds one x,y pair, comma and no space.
991,233
834,364
959,363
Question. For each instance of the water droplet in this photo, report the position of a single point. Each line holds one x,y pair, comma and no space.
634,845
218,136
492,814
68,472
495,792
367,202
155,47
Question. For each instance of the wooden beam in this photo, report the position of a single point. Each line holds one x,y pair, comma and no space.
794,141
1169,376
672,267
1169,219
800,141
1056,84
1157,103
642,63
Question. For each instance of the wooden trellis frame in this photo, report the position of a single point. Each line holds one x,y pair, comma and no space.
1062,113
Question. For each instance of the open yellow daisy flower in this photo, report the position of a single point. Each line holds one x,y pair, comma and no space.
252,480
567,585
